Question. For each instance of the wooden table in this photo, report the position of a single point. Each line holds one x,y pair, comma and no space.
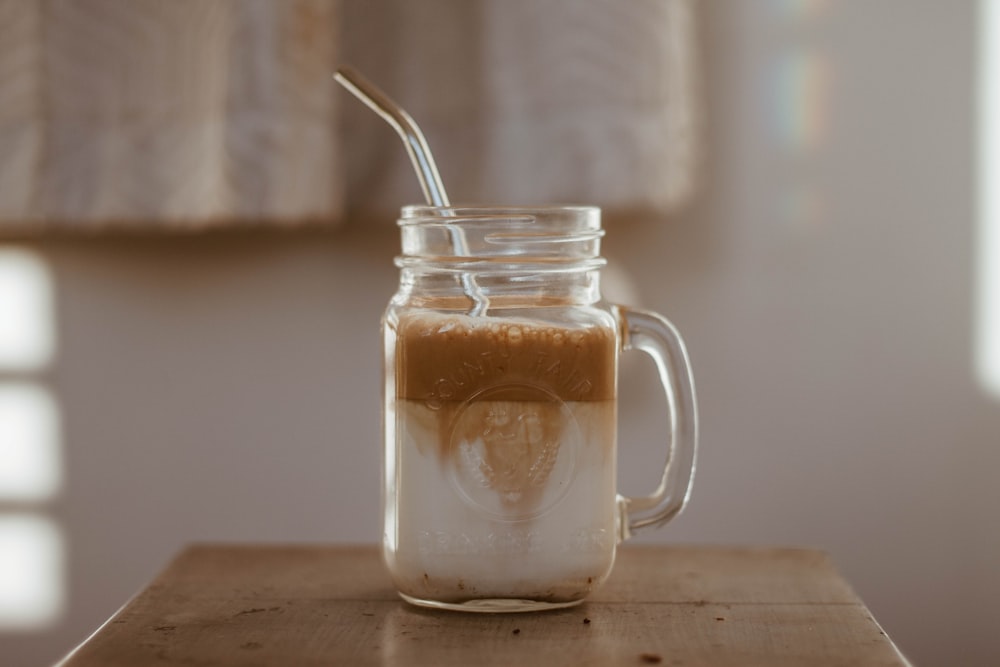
323,605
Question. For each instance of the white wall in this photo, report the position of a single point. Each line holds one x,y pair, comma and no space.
225,388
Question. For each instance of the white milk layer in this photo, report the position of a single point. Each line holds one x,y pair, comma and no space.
516,499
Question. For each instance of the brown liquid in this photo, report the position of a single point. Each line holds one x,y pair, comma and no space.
451,359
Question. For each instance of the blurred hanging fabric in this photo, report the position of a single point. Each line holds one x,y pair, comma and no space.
189,113
195,114
522,101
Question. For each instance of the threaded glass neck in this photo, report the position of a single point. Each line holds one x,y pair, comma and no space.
459,238
502,254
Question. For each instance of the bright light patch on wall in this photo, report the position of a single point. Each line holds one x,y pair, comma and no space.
31,572
30,465
801,79
800,95
988,288
26,330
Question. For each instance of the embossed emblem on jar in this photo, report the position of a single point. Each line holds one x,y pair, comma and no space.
513,451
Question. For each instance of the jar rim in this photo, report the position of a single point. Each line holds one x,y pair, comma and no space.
414,213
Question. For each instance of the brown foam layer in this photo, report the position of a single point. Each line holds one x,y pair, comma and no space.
451,358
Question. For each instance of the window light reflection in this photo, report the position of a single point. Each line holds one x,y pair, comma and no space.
26,321
988,283
30,466
31,572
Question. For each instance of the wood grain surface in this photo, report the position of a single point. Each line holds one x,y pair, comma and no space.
324,605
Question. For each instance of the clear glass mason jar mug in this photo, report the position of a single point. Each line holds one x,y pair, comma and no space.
501,363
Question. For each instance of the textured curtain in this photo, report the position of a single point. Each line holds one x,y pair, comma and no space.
530,101
192,114
181,113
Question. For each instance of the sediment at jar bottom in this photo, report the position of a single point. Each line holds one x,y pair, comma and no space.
453,588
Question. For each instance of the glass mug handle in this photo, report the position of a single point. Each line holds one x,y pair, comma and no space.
657,337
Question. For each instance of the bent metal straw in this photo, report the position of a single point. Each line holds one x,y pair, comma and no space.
420,156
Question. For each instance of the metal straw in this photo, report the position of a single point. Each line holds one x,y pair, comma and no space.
422,159
413,138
